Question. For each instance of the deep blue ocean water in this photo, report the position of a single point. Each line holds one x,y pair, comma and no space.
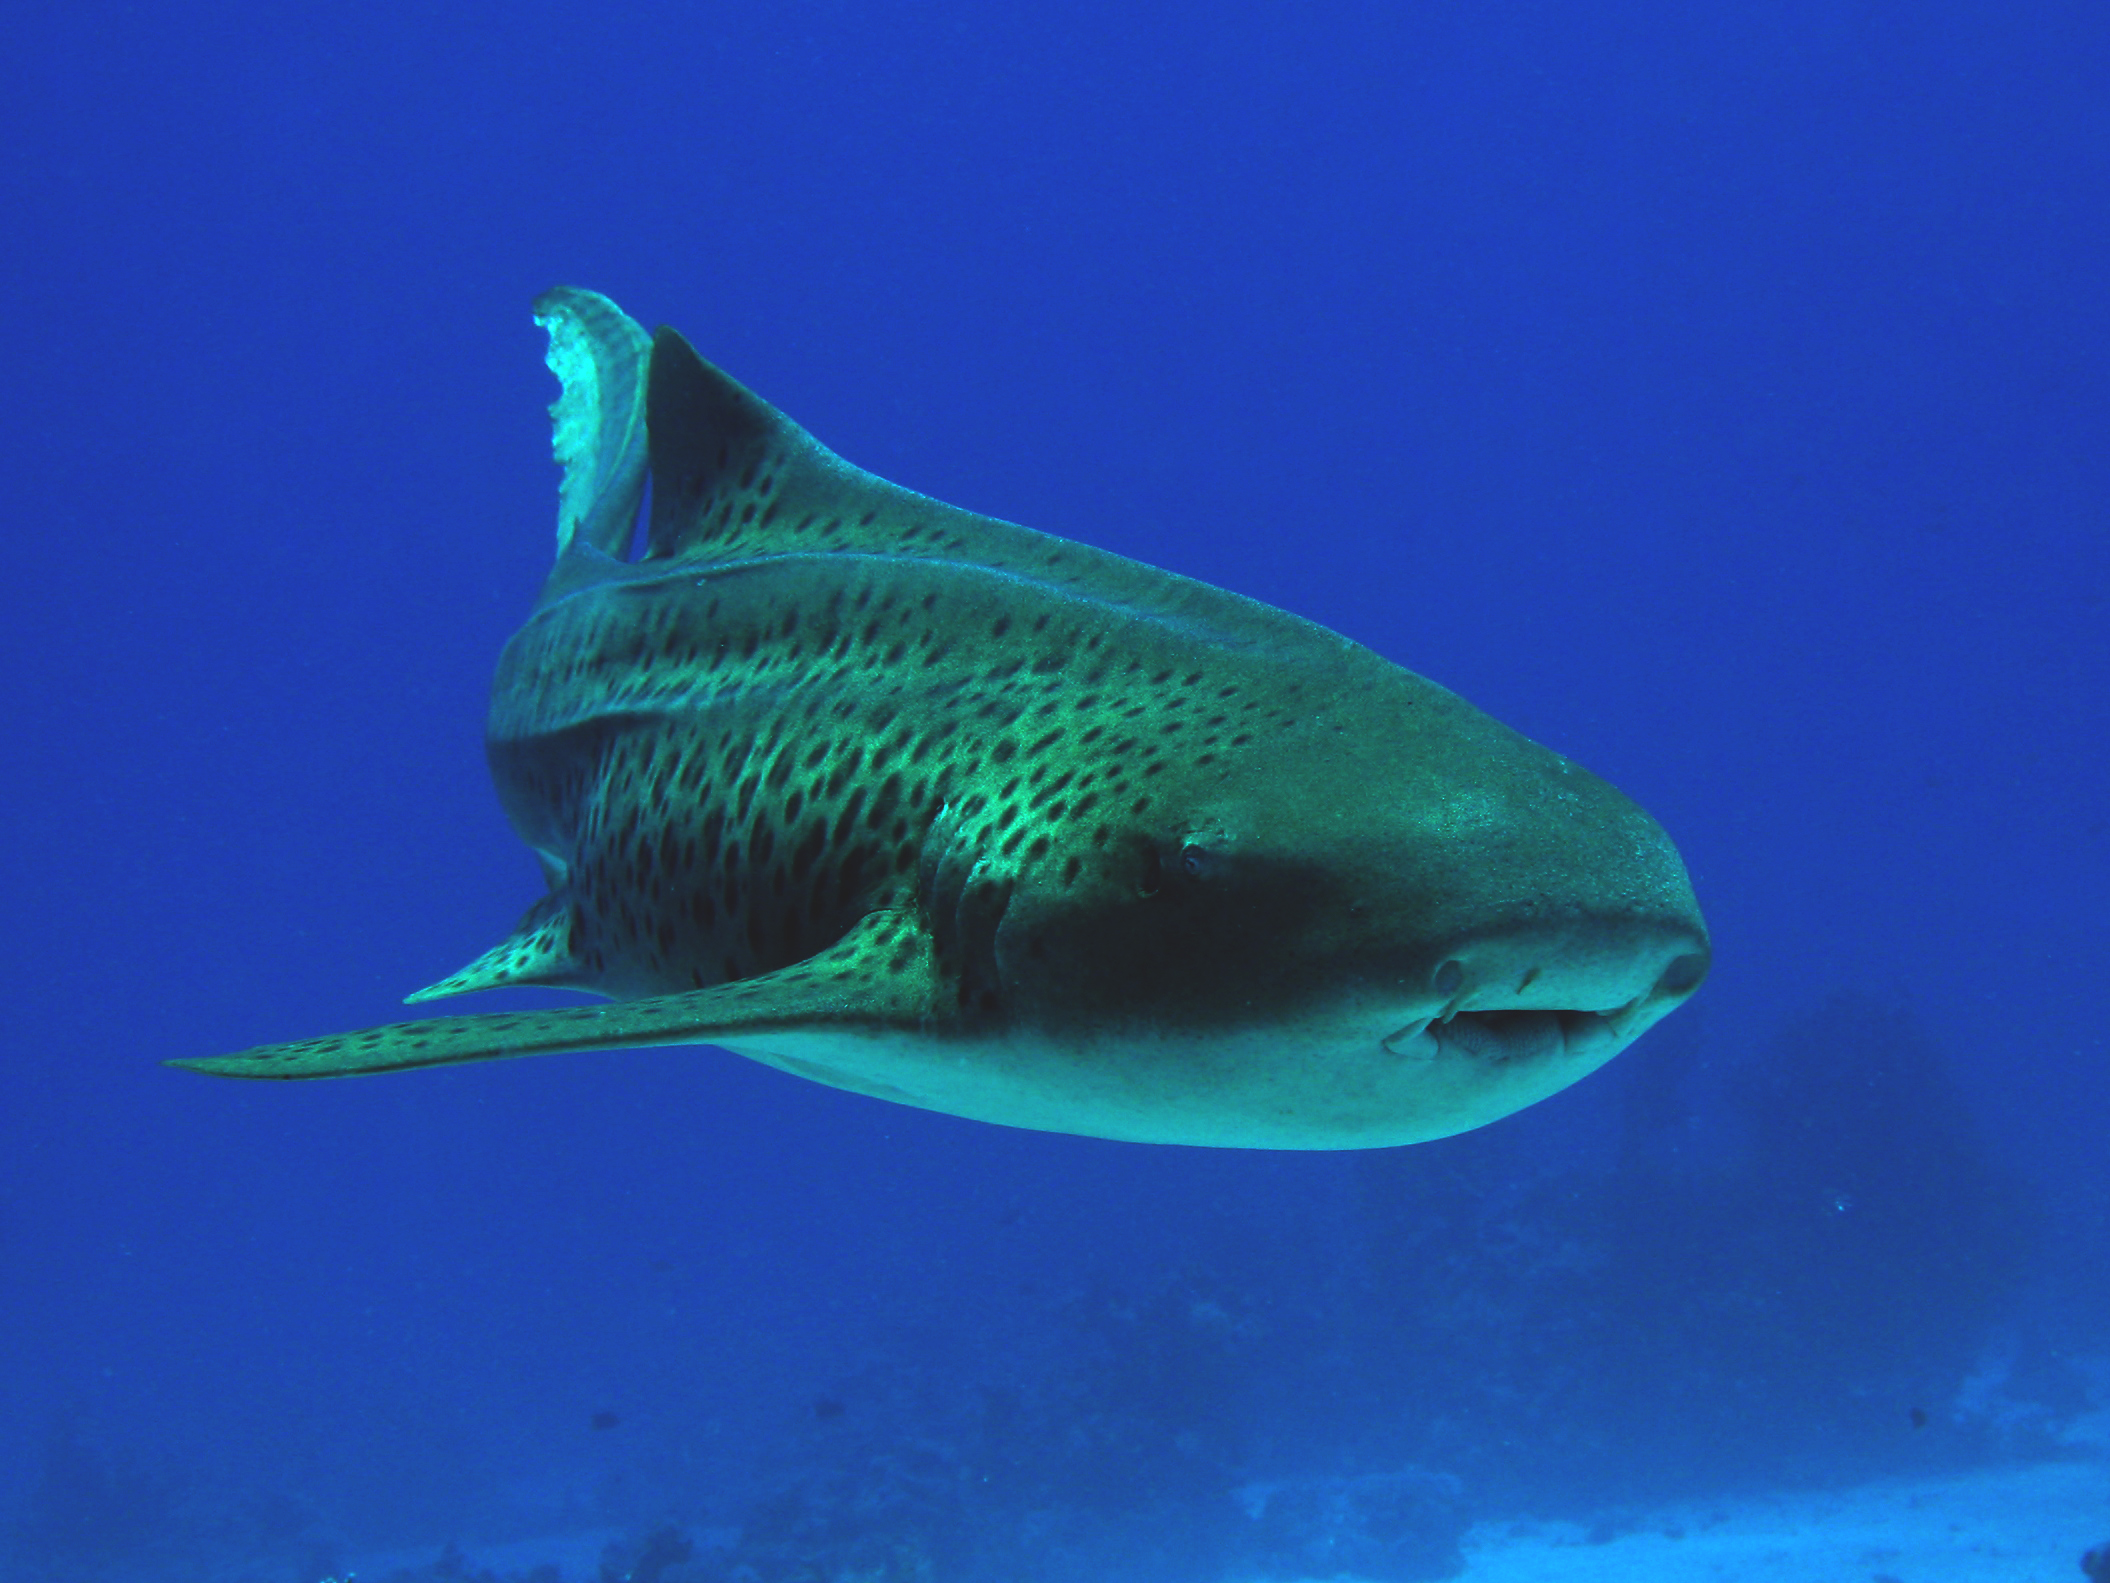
1719,394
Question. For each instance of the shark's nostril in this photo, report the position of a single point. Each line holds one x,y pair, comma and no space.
1683,975
1450,978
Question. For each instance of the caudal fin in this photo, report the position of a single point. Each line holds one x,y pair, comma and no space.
597,423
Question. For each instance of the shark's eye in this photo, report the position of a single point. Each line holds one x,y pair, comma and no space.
1196,860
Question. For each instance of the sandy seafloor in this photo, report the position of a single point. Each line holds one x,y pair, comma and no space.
2006,1525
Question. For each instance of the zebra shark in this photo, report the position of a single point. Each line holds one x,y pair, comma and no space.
942,810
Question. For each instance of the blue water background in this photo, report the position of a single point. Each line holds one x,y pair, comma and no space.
1718,393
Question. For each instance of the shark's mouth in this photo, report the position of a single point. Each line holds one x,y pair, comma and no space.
1500,1035
1504,1037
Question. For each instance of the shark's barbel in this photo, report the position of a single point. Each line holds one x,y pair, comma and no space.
939,809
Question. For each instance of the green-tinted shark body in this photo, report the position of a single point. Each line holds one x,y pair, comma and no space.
943,810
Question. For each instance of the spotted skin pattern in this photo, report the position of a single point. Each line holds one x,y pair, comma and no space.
776,773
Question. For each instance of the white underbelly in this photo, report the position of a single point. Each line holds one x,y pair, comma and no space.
1261,1090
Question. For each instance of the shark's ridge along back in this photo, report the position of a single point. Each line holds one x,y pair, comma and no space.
733,479
936,808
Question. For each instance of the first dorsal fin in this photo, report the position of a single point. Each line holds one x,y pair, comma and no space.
727,466
733,479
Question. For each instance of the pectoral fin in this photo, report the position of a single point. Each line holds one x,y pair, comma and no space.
879,976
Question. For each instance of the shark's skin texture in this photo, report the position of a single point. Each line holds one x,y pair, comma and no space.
939,809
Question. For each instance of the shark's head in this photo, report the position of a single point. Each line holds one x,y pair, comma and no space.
1388,919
